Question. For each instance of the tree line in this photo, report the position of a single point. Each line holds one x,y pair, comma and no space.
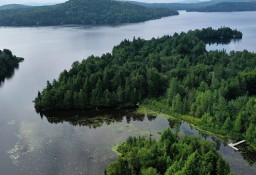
227,7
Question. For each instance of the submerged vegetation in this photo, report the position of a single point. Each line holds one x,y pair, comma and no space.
93,119
172,154
175,74
8,62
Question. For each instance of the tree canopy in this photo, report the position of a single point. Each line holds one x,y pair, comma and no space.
136,70
8,62
172,154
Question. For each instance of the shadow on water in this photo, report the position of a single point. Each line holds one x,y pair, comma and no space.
221,41
92,119
220,44
248,153
8,76
245,150
96,119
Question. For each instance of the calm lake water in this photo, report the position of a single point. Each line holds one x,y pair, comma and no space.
81,143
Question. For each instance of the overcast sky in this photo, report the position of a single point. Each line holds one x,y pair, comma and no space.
29,1
58,1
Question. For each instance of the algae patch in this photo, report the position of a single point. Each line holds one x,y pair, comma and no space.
11,122
30,139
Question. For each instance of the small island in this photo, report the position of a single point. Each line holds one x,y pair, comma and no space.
172,154
82,12
175,75
8,62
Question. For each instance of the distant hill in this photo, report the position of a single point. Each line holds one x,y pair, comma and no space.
173,6
218,1
184,6
228,7
86,12
13,6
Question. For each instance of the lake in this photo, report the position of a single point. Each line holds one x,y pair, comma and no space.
81,142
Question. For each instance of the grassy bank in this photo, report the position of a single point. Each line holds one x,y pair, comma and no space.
148,109
114,149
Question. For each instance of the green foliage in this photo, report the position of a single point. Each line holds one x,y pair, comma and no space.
8,62
81,12
227,124
250,80
149,171
176,71
172,154
177,104
220,35
238,124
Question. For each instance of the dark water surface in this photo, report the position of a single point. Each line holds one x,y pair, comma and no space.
81,143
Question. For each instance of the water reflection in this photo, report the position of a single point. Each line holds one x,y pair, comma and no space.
78,147
9,75
245,153
248,153
221,44
92,119
77,142
221,41
97,119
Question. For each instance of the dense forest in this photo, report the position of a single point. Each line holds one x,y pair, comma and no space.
172,154
172,74
13,6
82,12
8,62
227,7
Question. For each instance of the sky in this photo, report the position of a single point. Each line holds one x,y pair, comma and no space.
2,2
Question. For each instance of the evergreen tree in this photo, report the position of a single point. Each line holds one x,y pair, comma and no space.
177,104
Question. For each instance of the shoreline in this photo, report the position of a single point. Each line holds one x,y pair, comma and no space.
186,118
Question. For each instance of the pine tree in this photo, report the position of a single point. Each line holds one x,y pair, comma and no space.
238,124
177,104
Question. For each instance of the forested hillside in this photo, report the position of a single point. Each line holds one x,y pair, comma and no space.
172,74
13,6
175,6
172,154
227,7
8,62
186,6
81,12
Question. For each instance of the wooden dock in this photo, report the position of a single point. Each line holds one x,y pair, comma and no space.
232,145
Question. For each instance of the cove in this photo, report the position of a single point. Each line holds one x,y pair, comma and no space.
31,144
